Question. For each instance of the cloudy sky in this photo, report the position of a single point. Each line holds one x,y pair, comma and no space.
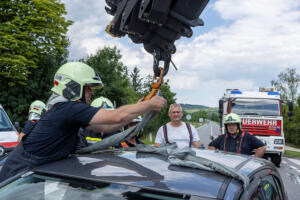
244,44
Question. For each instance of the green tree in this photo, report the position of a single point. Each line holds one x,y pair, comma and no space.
30,30
16,100
136,81
114,76
292,127
287,84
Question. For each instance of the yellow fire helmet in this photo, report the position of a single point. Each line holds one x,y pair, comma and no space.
71,77
103,103
233,118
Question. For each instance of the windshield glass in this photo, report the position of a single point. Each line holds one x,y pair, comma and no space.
51,188
5,125
263,107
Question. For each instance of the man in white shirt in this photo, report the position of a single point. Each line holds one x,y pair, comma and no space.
185,135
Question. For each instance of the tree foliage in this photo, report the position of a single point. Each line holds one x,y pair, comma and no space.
30,30
292,125
32,47
114,75
16,100
136,81
287,84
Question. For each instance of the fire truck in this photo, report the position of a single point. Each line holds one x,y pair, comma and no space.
261,115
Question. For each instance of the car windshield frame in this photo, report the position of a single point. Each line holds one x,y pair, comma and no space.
5,124
255,107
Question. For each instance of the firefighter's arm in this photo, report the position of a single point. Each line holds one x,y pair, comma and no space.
124,114
211,147
106,128
20,136
196,144
214,144
156,144
260,151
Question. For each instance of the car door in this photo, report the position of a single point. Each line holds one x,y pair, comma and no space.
269,188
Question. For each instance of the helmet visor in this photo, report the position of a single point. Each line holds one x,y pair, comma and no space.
96,83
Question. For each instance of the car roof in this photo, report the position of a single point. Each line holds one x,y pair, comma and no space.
152,171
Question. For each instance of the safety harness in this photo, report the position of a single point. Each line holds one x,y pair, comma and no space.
188,126
239,149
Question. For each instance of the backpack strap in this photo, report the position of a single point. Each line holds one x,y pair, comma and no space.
165,133
190,132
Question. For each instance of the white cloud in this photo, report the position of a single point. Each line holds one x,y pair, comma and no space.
261,40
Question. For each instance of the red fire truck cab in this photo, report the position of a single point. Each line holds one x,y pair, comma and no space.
261,115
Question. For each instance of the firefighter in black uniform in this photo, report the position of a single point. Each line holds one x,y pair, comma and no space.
55,135
237,141
36,109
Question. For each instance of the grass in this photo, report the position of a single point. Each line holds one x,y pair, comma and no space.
292,153
192,110
292,145
146,140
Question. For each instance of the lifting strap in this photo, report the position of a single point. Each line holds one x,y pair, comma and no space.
188,126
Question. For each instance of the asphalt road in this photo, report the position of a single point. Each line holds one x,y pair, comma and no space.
289,170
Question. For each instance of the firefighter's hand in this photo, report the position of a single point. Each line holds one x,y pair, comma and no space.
140,100
157,103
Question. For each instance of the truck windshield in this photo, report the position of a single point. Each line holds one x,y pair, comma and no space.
5,124
262,107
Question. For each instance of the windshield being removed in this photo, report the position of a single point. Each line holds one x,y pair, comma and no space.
264,107
36,187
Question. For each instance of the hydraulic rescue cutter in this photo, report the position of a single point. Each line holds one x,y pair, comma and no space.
157,24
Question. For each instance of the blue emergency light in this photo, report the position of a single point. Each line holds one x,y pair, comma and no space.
273,93
235,92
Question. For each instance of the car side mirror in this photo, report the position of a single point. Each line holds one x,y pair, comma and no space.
17,126
221,102
291,106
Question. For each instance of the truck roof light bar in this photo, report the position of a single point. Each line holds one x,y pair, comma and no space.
235,92
273,93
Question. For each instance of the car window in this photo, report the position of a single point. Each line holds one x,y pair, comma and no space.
36,187
268,189
4,122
